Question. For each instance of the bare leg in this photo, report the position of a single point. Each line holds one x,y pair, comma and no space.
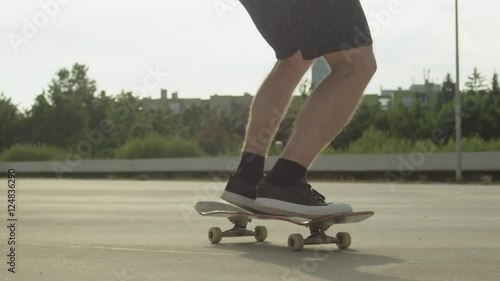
268,108
285,190
331,104
271,103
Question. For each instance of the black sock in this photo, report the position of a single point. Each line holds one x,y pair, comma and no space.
286,172
251,168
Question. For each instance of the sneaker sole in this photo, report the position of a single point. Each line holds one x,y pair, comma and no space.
238,200
283,208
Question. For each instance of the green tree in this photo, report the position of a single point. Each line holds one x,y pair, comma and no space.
10,120
234,126
127,118
211,136
70,111
361,121
488,123
471,113
495,88
190,120
100,128
61,114
488,127
404,121
159,121
476,82
444,124
447,93
39,118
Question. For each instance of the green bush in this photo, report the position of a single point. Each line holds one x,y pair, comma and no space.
30,152
473,144
377,142
235,150
232,147
156,146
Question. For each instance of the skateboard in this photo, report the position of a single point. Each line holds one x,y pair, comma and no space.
240,218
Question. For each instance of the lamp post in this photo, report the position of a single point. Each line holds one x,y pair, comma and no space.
458,118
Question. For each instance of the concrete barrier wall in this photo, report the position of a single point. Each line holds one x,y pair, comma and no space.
417,162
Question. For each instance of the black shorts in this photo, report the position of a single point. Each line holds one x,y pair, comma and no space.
315,27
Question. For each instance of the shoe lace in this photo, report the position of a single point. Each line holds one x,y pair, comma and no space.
309,191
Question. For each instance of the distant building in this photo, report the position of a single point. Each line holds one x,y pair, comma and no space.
228,104
320,70
174,104
424,94
371,99
425,88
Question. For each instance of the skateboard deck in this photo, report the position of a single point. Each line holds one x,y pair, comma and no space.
208,208
241,217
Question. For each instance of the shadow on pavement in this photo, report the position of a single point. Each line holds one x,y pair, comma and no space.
320,261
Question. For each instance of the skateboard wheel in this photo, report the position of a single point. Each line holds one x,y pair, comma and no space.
261,233
345,240
295,242
214,235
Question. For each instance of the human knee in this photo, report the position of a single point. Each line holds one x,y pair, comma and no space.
360,63
368,67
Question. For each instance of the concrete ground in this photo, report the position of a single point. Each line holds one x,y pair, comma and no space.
114,230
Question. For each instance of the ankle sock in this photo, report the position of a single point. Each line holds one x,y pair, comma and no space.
286,172
251,168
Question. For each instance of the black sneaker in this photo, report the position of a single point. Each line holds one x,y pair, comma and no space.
295,200
240,193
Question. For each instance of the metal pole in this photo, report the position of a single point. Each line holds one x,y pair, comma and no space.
458,119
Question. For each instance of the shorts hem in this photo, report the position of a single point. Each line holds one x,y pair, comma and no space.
286,55
324,51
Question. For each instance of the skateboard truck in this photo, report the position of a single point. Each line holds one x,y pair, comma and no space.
318,236
215,234
296,242
240,227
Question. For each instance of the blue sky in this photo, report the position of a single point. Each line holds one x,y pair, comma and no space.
200,50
